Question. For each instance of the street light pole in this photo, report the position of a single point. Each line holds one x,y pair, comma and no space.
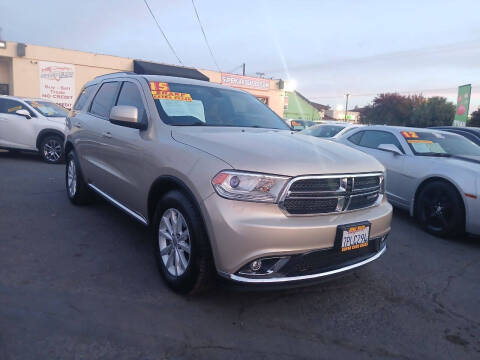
346,106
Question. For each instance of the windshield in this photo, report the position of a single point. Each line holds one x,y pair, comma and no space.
323,131
48,109
195,105
439,144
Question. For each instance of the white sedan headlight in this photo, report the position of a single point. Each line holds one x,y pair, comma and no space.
238,185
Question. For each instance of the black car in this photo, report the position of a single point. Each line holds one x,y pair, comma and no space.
471,133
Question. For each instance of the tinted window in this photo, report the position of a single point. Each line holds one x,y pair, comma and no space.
83,97
355,138
8,106
129,95
103,101
373,138
440,144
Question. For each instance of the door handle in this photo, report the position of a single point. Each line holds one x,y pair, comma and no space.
107,135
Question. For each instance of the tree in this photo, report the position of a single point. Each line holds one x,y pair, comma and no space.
475,119
435,111
416,110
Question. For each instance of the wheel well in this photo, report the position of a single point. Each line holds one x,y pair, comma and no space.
47,132
68,147
429,181
163,185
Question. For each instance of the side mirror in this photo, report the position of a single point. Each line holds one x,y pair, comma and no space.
390,148
126,115
24,112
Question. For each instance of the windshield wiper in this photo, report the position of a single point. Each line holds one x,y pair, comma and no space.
434,154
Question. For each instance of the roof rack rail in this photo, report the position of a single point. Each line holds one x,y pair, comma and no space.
117,73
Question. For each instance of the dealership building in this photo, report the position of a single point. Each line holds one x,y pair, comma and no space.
59,74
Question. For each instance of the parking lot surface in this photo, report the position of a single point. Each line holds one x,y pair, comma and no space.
81,283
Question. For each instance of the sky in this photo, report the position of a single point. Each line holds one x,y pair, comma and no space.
329,48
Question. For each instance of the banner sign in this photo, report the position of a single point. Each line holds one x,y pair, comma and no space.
57,83
245,82
463,103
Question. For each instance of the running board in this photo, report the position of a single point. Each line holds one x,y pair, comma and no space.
119,205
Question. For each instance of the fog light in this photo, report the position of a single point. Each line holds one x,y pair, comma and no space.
256,265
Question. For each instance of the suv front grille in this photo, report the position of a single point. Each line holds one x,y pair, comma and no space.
313,195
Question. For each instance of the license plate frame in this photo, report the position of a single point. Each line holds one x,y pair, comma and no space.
346,241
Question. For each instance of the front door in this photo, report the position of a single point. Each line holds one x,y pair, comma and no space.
123,151
16,131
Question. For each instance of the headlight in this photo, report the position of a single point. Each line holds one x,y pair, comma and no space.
237,185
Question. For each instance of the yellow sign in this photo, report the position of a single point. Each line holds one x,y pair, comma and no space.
170,95
420,141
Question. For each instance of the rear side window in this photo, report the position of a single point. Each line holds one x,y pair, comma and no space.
8,106
129,95
83,97
355,138
104,99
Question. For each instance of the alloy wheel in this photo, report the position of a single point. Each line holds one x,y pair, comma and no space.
437,209
71,178
52,150
174,242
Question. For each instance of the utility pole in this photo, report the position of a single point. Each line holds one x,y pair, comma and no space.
243,69
346,106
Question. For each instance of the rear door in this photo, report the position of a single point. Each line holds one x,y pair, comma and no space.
94,125
16,131
123,151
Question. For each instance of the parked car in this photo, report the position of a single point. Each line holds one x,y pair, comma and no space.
297,125
32,125
328,130
433,174
226,186
471,133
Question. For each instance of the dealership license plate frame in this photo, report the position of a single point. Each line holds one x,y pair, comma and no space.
343,246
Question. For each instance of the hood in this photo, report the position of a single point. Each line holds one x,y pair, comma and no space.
464,162
276,151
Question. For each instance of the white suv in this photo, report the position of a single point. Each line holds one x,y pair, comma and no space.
32,125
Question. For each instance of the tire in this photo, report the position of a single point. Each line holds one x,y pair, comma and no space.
439,209
77,189
51,149
185,272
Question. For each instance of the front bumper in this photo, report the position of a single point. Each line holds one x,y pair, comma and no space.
241,232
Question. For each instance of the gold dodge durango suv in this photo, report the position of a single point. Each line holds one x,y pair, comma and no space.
226,186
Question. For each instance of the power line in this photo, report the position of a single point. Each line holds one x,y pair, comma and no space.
205,36
165,36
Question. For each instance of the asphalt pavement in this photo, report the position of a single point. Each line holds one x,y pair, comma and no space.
81,283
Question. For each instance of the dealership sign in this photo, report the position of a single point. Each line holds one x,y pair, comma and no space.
57,83
245,82
463,103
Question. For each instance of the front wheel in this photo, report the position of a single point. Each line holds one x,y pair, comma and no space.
181,245
439,209
51,149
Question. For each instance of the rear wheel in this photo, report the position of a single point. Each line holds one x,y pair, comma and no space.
51,149
439,209
181,245
77,189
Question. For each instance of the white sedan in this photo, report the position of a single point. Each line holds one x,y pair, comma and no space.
433,174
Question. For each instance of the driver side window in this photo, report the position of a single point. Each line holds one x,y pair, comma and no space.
373,138
8,106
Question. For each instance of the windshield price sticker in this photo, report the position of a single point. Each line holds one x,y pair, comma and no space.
409,134
170,95
161,90
158,86
420,141
355,237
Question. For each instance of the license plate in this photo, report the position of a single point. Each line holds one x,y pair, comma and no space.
355,237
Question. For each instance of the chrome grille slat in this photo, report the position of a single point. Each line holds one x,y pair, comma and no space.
352,192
